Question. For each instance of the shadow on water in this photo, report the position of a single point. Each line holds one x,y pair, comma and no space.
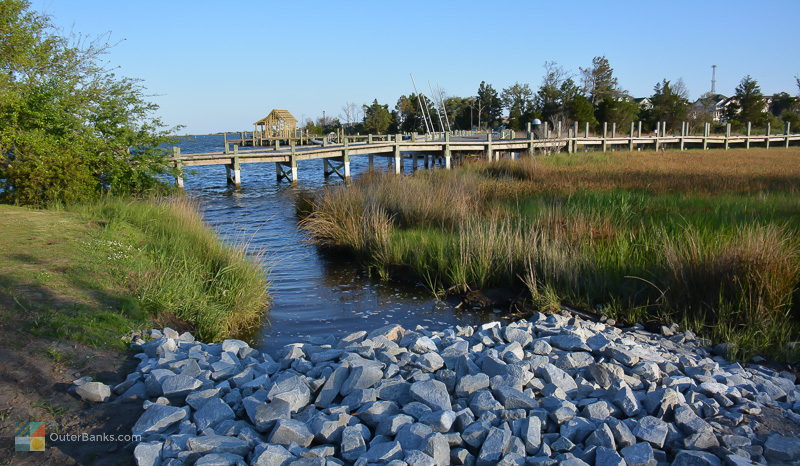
313,295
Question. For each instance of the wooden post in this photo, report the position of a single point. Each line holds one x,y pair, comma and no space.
546,130
225,141
326,171
558,130
630,141
398,161
727,135
176,153
788,128
706,133
569,140
747,141
586,130
293,162
369,138
371,159
769,130
447,157
605,134
237,172
639,132
575,137
489,152
658,134
530,143
346,163
683,134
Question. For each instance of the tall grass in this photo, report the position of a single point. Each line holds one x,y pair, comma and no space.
704,238
188,273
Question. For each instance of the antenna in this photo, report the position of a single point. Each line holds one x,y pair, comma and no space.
713,79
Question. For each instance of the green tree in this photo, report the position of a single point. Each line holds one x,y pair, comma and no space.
621,111
69,129
409,112
377,118
748,104
581,110
670,104
458,111
599,82
518,99
782,102
490,108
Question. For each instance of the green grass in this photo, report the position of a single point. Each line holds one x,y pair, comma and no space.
94,272
708,239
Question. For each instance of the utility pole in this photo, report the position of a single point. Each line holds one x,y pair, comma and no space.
713,79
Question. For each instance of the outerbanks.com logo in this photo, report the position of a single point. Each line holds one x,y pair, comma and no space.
30,436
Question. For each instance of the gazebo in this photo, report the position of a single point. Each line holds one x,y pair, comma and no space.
278,124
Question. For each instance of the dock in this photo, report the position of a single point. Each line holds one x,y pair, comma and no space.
336,151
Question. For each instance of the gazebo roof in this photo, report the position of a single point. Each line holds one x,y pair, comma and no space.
277,114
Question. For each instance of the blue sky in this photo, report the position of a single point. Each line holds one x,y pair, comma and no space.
219,66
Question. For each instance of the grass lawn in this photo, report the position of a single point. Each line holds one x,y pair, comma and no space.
94,272
706,238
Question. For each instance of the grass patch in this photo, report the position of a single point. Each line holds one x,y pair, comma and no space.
708,239
92,273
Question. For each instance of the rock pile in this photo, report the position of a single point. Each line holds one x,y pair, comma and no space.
552,390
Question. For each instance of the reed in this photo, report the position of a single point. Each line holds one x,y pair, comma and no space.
708,239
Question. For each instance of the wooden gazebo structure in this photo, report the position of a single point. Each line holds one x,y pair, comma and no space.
278,124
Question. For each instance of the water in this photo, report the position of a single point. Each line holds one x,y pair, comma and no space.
312,294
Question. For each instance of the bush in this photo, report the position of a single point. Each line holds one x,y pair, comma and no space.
69,129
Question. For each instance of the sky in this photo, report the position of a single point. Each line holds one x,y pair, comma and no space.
219,66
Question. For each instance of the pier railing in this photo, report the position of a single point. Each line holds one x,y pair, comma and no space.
440,149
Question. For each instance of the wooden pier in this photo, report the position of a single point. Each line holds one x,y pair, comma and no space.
449,147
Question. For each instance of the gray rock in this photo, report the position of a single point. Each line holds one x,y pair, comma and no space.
512,398
292,390
417,458
212,412
390,425
218,444
383,452
361,377
640,454
530,431
569,342
470,384
266,414
430,362
288,431
651,429
423,345
696,458
179,385
96,392
374,412
554,375
602,437
494,447
352,445
437,447
702,440
412,436
689,422
512,334
626,401
198,398
432,393
483,401
148,453
779,448
157,418
332,387
439,421
541,347
328,429
607,457
219,459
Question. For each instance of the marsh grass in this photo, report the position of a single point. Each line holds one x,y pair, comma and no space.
707,238
181,270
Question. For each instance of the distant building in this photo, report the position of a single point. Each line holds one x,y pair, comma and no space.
717,106
644,103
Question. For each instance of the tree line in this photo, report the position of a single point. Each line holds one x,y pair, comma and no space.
592,96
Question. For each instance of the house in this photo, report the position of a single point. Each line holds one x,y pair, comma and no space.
644,103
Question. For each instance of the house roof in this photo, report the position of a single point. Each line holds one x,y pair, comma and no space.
277,114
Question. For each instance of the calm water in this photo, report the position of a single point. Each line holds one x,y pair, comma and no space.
312,295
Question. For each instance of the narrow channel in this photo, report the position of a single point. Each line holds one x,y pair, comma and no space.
313,296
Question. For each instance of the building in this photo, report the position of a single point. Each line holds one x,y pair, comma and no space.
278,124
